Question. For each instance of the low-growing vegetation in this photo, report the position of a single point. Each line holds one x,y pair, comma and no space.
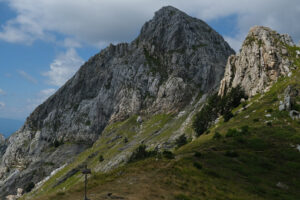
217,106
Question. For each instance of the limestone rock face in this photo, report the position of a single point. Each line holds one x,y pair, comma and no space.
174,56
262,59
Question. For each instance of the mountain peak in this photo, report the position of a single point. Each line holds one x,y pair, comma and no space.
168,11
172,29
261,61
266,35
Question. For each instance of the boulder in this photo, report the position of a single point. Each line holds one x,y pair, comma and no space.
295,115
139,119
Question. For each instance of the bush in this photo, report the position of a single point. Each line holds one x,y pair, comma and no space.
216,106
140,153
244,130
197,154
60,194
256,120
227,116
181,140
101,159
233,98
207,115
232,133
197,165
125,140
217,136
232,154
29,187
168,154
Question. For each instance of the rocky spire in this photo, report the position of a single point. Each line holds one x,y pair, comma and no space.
262,59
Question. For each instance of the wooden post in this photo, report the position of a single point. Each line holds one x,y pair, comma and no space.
85,171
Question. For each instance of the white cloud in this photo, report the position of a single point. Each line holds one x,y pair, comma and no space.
2,92
100,22
27,76
2,105
63,67
71,43
46,93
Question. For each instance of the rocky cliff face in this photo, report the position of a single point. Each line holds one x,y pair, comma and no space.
174,57
262,60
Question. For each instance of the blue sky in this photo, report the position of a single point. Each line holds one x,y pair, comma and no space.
43,42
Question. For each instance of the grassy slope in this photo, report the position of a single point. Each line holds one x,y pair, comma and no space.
247,166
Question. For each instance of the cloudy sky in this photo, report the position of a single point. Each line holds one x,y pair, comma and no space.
44,42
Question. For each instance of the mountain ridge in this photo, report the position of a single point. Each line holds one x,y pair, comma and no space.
144,78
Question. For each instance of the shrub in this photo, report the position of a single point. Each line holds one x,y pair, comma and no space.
197,165
216,106
227,116
101,159
60,194
29,187
244,104
181,140
125,140
256,120
217,136
207,115
232,133
168,154
244,130
197,154
141,153
233,99
232,154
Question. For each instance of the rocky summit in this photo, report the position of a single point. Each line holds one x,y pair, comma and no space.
174,58
262,59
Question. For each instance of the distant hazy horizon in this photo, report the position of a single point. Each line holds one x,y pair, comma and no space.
9,126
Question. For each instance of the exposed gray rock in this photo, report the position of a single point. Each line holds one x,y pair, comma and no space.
290,96
263,58
174,57
298,147
295,115
15,197
297,54
282,186
139,119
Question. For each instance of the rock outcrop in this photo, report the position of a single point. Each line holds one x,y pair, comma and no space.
262,59
291,102
174,57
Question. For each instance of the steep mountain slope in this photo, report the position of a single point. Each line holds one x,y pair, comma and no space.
174,58
262,60
255,155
